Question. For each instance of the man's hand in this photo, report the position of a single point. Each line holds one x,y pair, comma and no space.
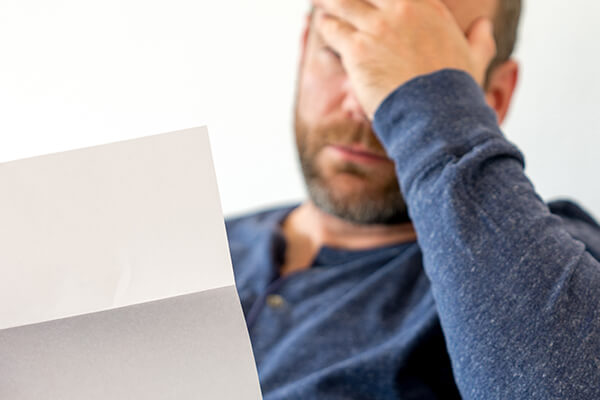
385,43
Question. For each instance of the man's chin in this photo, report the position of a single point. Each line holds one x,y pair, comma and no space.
353,199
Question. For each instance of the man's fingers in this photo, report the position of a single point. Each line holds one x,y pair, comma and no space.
358,13
482,43
335,32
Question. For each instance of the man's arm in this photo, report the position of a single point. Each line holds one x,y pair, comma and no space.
518,297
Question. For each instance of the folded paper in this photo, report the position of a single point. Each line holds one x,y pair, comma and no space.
116,276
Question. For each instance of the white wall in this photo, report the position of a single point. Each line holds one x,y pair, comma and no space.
556,114
75,73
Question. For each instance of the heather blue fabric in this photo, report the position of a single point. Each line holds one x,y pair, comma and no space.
500,298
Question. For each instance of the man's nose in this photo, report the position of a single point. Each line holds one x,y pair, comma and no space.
351,106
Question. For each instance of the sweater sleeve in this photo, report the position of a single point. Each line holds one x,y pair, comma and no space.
518,296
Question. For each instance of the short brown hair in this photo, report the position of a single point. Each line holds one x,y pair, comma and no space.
506,24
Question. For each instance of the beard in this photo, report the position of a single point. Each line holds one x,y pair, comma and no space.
355,192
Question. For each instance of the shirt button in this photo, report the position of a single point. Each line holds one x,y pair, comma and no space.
275,301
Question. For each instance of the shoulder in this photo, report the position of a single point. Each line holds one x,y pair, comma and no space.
249,225
255,229
579,223
253,239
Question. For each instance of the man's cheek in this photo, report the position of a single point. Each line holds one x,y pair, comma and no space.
321,97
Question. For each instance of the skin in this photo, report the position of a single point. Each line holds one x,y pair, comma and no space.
353,54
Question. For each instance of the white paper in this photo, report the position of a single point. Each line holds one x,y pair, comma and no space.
130,228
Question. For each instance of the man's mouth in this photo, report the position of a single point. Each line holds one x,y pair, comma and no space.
358,153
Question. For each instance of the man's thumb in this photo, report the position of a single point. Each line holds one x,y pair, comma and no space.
482,43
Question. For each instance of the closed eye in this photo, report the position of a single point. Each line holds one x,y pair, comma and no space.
332,52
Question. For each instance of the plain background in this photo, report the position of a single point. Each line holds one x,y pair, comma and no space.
77,73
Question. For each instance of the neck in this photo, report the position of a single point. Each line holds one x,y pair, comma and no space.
307,229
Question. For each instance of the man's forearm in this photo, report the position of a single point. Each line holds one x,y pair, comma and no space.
518,297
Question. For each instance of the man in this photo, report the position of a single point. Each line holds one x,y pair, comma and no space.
423,265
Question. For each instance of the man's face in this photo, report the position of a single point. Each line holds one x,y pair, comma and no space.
346,169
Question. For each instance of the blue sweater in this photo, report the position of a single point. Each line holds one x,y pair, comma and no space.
499,299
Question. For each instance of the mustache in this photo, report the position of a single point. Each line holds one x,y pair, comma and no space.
348,133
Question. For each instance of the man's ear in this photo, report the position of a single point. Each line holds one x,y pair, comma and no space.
501,86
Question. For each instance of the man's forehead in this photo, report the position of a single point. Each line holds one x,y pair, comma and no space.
467,11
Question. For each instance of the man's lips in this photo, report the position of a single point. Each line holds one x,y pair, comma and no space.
358,153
